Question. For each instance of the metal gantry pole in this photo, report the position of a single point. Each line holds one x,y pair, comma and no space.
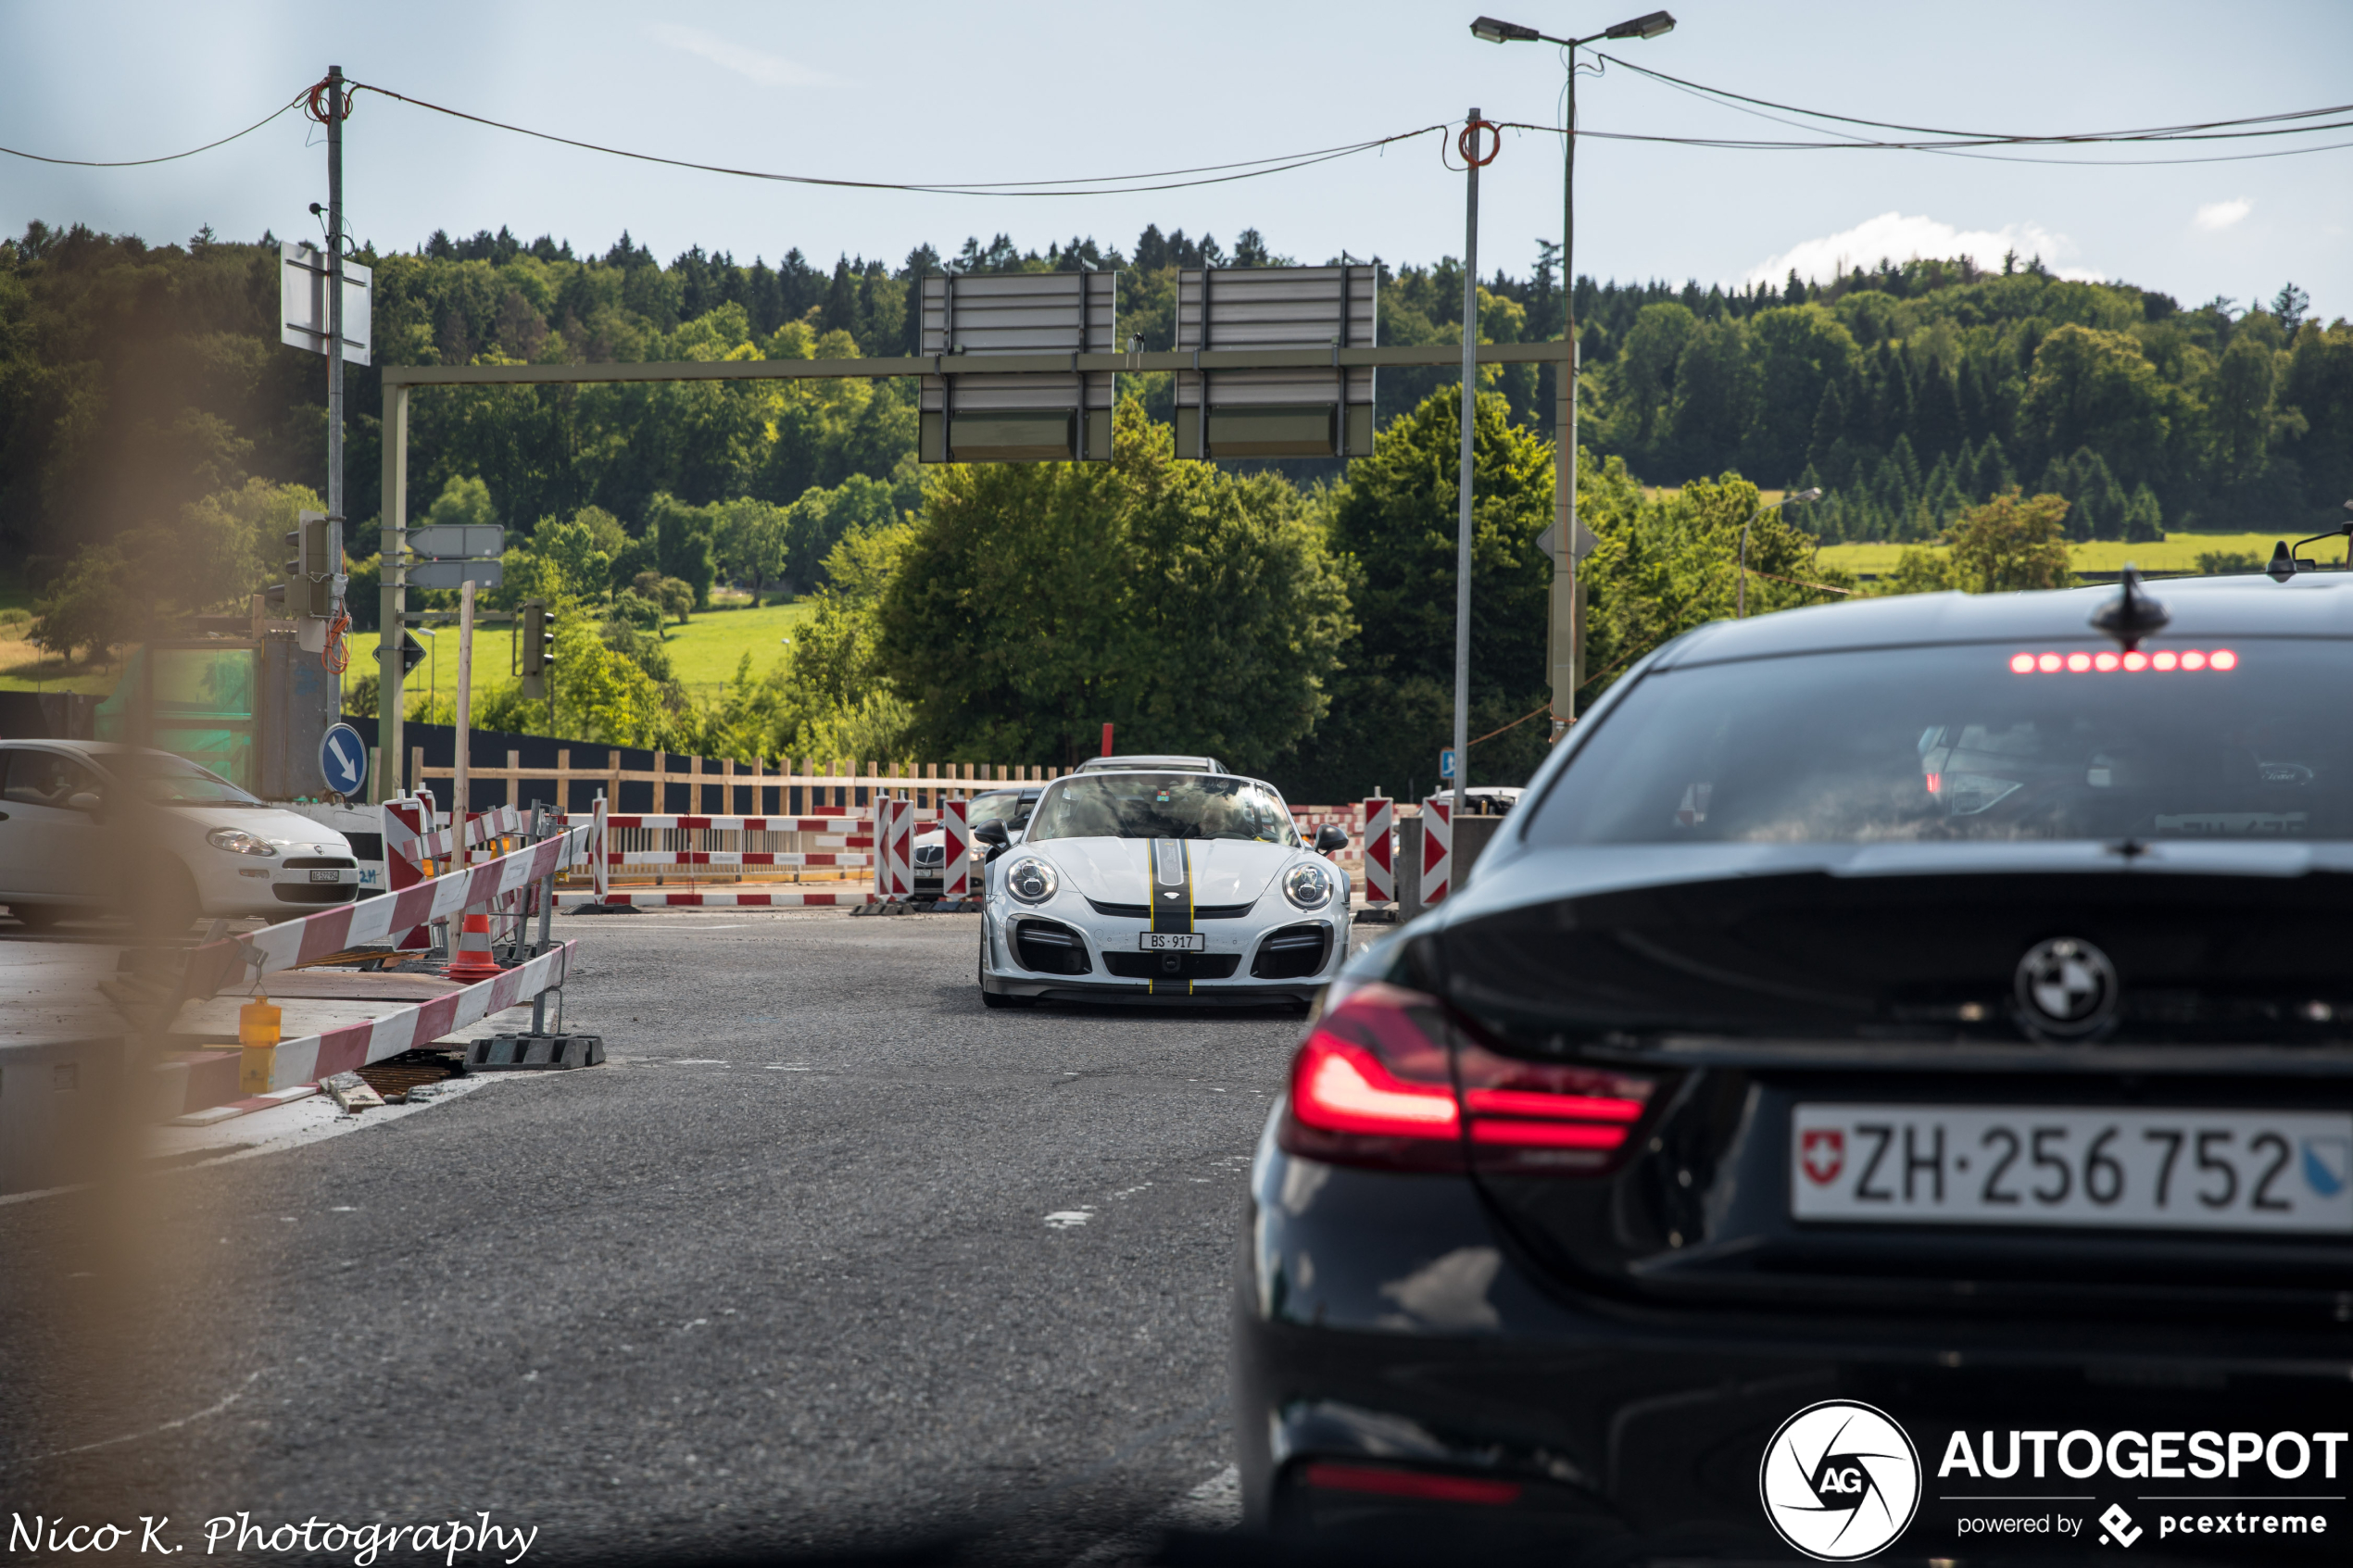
334,319
1463,482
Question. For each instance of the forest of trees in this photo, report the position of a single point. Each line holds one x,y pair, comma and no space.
144,386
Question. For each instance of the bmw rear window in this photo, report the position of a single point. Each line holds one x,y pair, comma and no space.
2242,738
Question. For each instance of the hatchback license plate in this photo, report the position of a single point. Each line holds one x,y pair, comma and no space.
2073,1166
1172,942
326,876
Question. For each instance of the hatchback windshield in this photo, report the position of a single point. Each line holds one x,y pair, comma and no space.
1161,805
173,781
2237,742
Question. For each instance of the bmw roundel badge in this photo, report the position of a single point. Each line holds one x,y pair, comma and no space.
2065,989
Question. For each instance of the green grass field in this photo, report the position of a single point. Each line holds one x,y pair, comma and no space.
703,653
2177,553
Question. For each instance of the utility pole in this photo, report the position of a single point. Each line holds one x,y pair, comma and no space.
1469,149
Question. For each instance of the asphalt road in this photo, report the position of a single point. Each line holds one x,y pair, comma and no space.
828,1257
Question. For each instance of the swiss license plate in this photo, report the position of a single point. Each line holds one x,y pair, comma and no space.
2073,1166
1171,941
325,875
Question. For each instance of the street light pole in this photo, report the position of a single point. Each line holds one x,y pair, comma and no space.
1566,633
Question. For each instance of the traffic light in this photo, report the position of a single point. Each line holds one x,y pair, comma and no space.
312,592
538,647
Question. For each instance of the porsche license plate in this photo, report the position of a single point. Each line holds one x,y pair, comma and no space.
2073,1166
1171,941
325,875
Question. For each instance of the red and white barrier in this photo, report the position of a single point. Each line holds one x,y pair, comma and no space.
1380,876
1438,848
733,858
308,938
660,898
412,831
894,848
743,825
956,864
315,1057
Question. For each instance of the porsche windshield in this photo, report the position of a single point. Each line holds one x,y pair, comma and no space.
2243,741
1161,805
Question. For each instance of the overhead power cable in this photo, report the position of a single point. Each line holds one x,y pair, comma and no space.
1113,185
2157,133
1953,149
168,157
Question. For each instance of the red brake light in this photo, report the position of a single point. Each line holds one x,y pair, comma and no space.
1372,1085
1344,1089
1548,1117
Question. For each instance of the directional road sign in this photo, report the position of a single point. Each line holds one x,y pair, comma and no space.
452,573
456,541
1446,763
343,760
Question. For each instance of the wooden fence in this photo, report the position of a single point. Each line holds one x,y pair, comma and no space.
725,787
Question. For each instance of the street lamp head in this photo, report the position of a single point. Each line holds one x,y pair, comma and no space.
1493,31
1644,27
1814,494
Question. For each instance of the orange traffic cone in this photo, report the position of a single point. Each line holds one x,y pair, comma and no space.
472,961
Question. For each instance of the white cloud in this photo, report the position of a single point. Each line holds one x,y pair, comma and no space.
1893,236
2215,216
769,71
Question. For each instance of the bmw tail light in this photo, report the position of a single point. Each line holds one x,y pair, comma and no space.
1549,1118
1372,1085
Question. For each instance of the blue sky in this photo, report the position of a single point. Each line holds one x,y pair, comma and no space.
935,92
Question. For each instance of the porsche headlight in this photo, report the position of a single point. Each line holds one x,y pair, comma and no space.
1308,886
239,842
1030,880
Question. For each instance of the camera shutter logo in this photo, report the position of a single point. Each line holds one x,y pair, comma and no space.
2065,989
1841,1481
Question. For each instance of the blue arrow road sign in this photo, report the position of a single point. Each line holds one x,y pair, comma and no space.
1446,763
343,760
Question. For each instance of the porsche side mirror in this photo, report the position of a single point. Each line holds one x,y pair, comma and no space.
1330,839
991,833
89,801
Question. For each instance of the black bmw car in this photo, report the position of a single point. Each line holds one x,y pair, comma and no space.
1887,1091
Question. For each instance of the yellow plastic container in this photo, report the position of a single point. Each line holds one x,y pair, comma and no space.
258,1023
258,1033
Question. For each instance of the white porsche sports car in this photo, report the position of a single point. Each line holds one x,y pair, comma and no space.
1179,885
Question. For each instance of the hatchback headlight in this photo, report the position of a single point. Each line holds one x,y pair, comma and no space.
1308,886
239,842
1030,880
